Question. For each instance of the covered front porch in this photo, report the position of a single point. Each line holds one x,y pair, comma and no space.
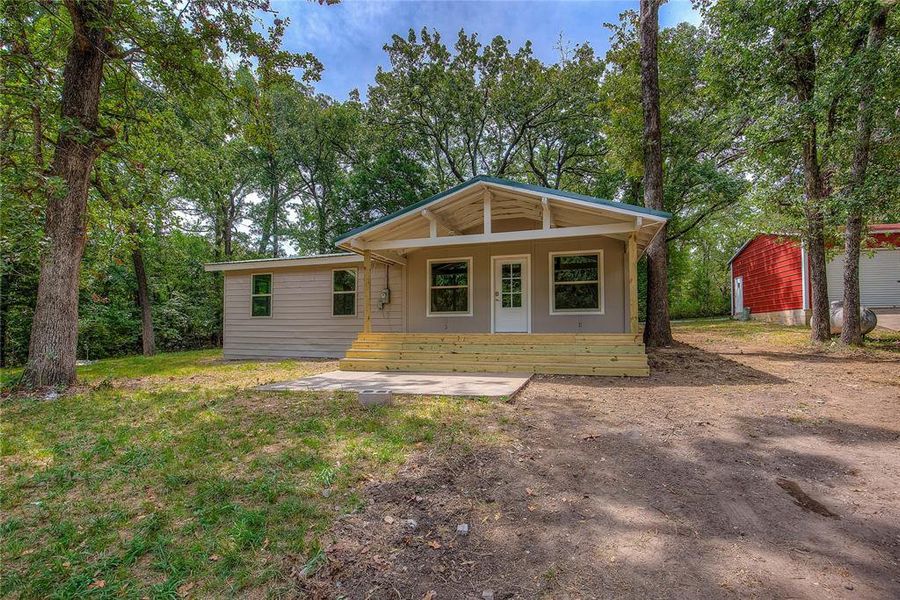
505,277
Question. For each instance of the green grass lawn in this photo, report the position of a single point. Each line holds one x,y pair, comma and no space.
169,476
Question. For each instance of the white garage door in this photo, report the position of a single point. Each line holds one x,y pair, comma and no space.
879,278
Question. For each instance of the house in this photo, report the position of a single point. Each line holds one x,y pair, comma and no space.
770,275
491,275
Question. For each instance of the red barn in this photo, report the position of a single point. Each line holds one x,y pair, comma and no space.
770,275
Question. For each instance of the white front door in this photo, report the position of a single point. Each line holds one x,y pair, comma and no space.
738,295
511,295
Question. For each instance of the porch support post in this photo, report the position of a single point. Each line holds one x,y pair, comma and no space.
435,220
367,291
546,214
631,258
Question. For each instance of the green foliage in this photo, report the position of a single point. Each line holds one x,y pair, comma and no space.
751,67
170,472
488,109
215,160
161,64
701,144
107,326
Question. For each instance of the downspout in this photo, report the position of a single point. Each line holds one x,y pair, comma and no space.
804,277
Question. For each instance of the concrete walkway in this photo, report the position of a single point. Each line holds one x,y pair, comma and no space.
888,318
421,384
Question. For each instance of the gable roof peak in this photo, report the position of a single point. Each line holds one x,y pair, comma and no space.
491,180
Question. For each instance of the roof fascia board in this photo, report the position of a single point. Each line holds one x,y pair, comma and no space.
756,235
586,203
507,236
742,248
410,210
280,263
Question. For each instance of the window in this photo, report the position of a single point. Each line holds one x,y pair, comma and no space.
343,292
449,292
511,285
261,295
576,282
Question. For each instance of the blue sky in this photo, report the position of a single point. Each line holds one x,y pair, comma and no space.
349,37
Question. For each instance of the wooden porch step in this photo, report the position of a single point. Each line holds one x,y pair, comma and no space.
613,359
362,364
505,338
619,354
456,348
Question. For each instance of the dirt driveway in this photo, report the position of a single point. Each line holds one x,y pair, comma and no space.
676,486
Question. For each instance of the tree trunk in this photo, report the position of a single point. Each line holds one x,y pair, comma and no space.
226,239
814,189
148,338
850,331
267,218
270,224
228,227
276,209
322,234
321,224
54,331
820,321
657,330
218,224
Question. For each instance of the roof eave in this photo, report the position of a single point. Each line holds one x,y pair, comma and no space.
284,263
580,199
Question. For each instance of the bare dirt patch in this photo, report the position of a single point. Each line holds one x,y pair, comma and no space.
656,488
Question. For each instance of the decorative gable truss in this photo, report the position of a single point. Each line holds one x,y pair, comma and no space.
486,210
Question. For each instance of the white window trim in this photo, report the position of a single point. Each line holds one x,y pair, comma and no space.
271,296
601,282
354,292
428,312
804,276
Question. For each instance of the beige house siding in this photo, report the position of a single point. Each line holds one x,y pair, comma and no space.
614,320
301,324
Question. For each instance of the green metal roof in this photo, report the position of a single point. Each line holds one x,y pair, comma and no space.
640,210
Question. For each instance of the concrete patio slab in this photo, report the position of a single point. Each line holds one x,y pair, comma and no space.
888,318
422,384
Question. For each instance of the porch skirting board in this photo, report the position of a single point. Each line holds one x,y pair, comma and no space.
617,354
783,317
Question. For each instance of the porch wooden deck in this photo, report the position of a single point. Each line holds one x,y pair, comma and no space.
618,354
